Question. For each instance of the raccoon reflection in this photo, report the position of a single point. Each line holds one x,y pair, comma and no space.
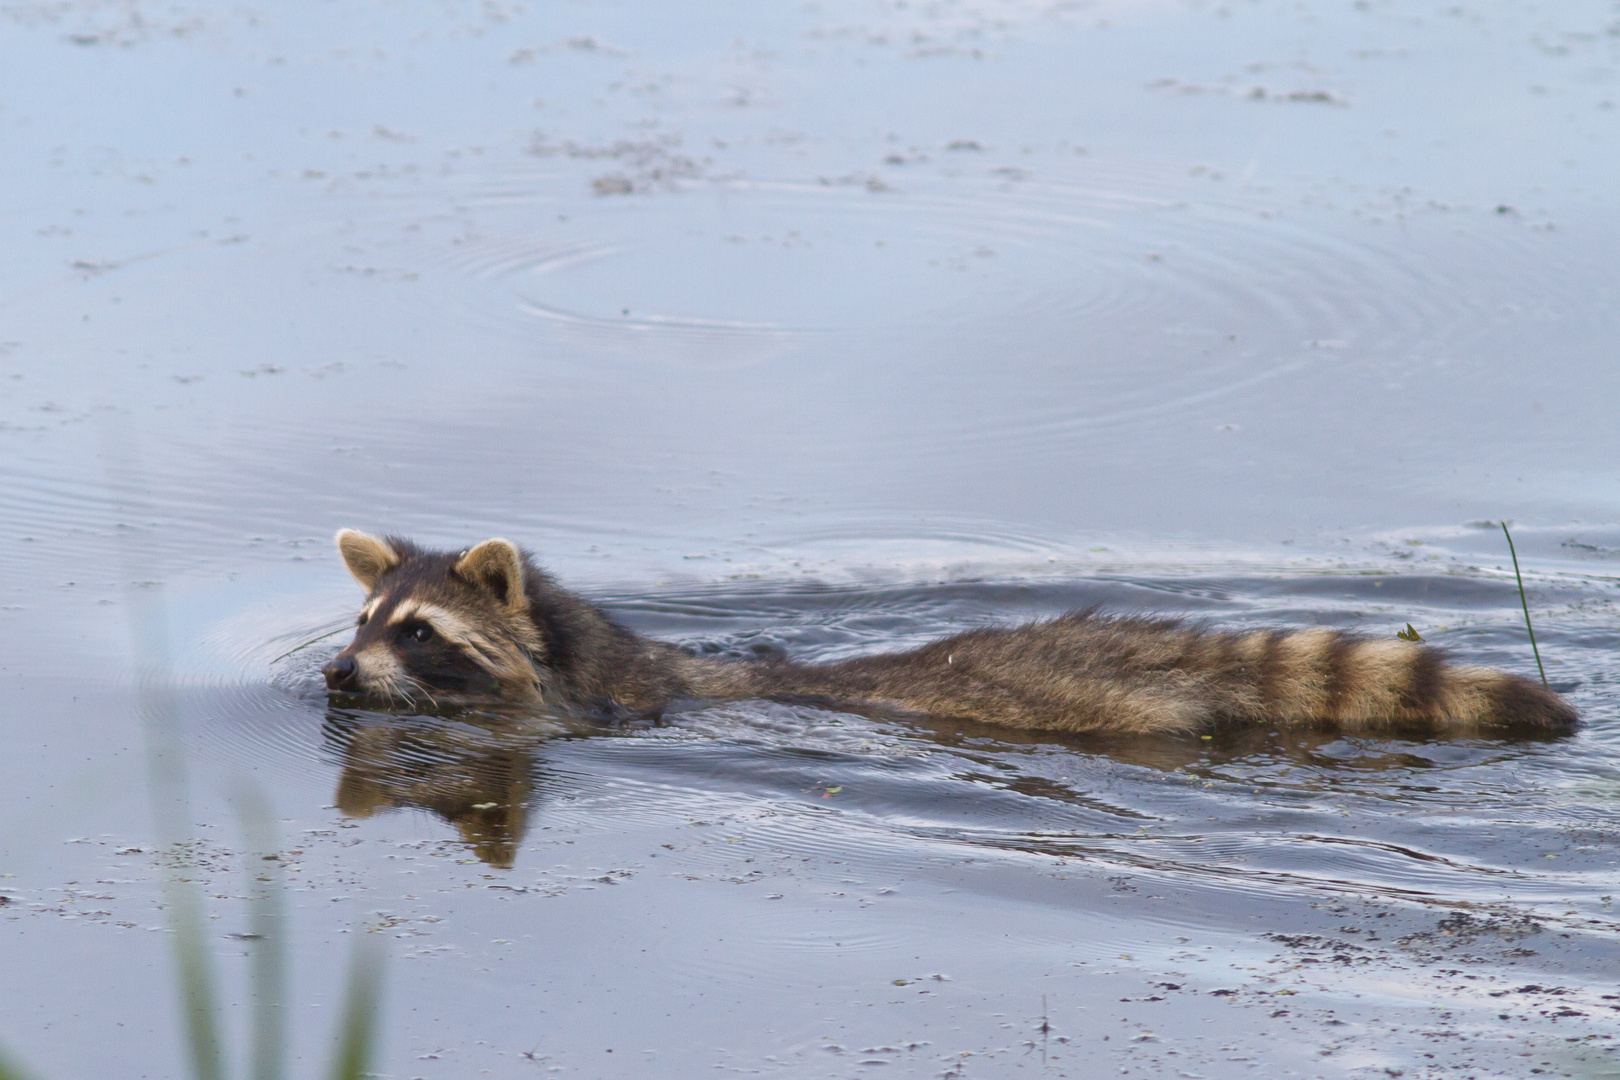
478,780
486,625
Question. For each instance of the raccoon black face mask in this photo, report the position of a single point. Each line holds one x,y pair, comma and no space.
486,626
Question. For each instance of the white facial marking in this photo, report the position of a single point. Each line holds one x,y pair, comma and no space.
377,669
492,647
404,612
447,624
495,652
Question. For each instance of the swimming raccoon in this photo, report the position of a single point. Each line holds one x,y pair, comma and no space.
485,625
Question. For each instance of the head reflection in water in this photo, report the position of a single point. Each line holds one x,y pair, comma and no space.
476,776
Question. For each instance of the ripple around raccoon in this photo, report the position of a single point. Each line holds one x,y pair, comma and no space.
486,626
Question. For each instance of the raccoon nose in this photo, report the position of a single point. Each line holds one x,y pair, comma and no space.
339,672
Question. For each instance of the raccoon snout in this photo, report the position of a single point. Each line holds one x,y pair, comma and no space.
340,672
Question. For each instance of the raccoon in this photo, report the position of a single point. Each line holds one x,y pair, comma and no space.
487,626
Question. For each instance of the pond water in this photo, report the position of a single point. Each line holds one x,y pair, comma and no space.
833,326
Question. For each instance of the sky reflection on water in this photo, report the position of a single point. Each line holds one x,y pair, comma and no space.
833,327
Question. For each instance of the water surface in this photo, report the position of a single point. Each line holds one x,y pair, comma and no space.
834,328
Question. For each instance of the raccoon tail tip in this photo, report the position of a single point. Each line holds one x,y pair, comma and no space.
1498,699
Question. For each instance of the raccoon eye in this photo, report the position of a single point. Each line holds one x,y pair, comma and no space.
423,632
361,621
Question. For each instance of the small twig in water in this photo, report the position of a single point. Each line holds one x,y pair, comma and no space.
307,644
1525,604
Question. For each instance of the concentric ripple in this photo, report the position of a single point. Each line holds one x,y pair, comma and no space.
1107,299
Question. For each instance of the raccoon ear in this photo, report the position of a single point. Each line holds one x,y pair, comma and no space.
495,565
367,557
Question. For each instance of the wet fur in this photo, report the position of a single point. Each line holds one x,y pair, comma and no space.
504,631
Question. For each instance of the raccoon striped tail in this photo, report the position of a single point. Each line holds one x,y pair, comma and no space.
1357,684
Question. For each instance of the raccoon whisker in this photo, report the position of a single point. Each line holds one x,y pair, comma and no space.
420,688
402,687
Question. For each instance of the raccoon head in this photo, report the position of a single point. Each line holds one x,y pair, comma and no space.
439,628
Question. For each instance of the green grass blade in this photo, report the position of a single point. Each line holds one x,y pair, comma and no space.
10,1070
357,1036
267,943
1526,605
197,1000
159,710
182,901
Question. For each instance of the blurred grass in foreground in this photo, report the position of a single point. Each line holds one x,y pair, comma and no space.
167,782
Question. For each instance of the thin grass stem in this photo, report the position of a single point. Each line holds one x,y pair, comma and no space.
311,641
10,1070
197,997
165,755
357,1035
1526,605
267,941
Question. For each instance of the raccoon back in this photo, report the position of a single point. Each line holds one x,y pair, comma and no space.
1089,672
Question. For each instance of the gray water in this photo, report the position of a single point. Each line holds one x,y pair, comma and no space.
832,326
